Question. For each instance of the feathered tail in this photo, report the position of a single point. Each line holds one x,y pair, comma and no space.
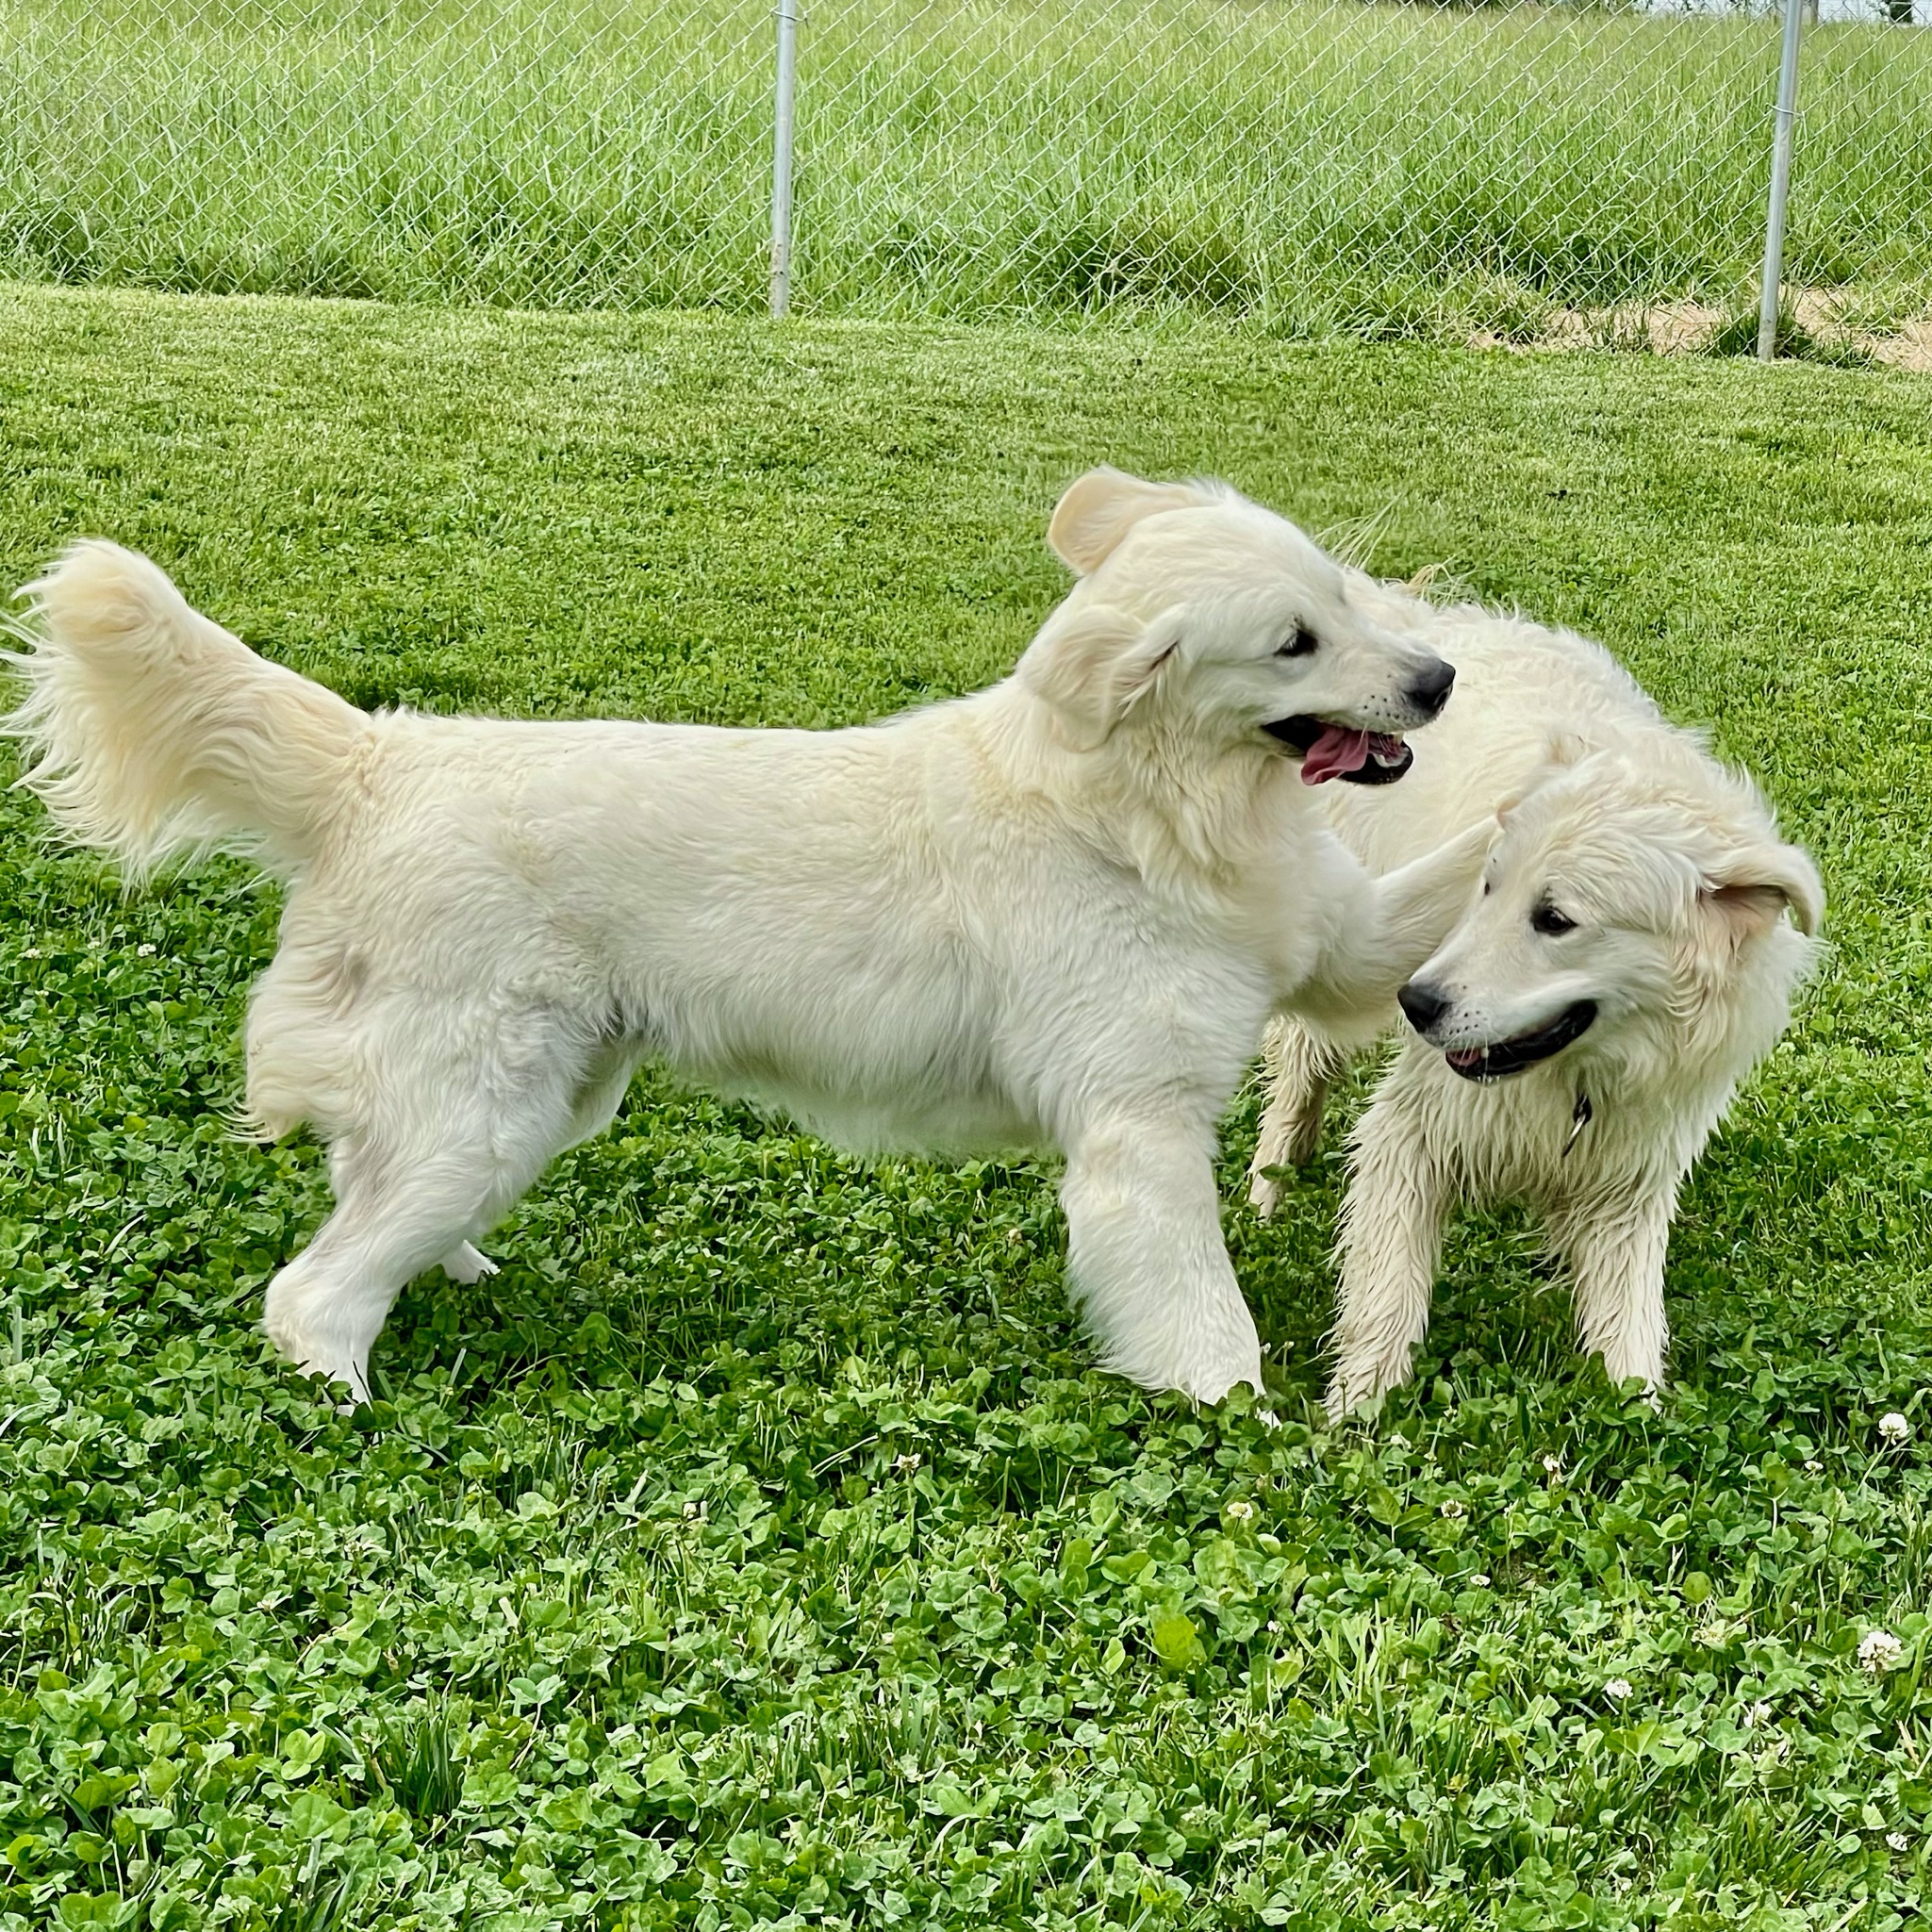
153,734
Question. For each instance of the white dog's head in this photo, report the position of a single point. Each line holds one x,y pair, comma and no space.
1203,614
1618,915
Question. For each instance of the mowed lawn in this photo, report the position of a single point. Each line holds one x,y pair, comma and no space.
759,1547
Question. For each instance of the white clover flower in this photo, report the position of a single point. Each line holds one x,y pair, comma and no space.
1755,1714
1812,1466
1898,1840
1618,1690
1239,1511
693,1510
1553,1466
1894,1431
905,1465
31,952
1879,1650
1479,1581
1452,1508
144,952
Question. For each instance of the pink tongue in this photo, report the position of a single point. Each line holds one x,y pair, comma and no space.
1338,749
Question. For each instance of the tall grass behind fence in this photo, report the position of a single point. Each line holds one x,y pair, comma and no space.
1862,177
1302,163
510,151
1374,162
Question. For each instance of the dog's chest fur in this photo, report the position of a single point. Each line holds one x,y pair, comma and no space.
1556,1135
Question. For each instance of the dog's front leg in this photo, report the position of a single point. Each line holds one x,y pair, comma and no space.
1396,921
1616,1258
1299,1066
1392,1226
1148,1267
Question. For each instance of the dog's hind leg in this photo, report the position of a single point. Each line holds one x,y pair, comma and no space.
399,1210
1148,1267
455,1134
605,1081
465,1264
1392,1225
1617,1257
593,1107
1299,1064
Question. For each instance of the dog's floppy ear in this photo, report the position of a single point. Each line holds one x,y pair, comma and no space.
1100,508
1090,665
1754,886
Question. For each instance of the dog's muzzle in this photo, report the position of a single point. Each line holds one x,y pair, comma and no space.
1505,1057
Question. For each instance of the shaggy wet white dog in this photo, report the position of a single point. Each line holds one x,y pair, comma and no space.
1582,1029
1057,913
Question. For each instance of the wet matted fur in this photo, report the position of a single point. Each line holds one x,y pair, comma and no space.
1626,964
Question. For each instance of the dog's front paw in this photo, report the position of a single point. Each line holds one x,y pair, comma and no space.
1208,1382
341,1374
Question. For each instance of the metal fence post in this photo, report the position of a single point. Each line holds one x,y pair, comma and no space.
781,157
1780,182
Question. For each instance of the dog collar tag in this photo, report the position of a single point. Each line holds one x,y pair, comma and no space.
1578,1121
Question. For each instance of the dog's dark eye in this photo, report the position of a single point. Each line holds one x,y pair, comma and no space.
1303,643
1551,923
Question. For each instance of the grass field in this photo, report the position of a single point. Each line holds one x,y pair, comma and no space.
758,1547
1306,166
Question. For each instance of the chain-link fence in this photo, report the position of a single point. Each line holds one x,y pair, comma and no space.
1370,165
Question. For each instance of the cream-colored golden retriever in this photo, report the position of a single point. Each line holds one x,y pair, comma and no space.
1057,913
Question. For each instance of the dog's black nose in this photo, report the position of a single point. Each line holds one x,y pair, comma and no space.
1430,690
1423,1004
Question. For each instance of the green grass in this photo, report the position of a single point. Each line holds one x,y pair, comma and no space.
1305,165
758,1546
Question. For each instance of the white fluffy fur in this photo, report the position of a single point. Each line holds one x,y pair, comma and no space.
1675,873
1055,913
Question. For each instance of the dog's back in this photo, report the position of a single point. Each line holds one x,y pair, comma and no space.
1525,693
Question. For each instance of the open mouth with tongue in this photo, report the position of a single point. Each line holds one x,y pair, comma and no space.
1511,1056
1340,750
